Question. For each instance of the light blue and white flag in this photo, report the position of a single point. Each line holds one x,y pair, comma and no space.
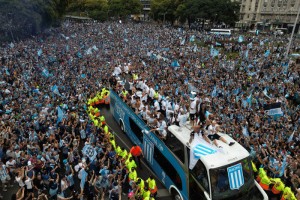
265,92
235,176
214,92
182,41
40,52
214,52
249,46
200,148
192,38
60,115
291,137
261,43
175,63
267,53
45,73
218,44
241,39
247,54
55,90
95,48
285,67
195,49
84,175
89,151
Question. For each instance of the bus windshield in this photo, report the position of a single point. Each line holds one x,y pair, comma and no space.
234,180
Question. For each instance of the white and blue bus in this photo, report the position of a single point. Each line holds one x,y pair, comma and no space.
227,32
190,172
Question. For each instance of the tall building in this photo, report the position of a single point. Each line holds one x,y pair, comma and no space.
269,14
146,8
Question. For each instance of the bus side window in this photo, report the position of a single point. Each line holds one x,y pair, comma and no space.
200,173
167,167
176,147
136,129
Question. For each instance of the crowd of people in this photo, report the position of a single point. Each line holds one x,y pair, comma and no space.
47,80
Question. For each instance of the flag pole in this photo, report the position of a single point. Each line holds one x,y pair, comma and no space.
292,35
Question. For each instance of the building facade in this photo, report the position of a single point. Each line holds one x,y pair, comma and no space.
269,14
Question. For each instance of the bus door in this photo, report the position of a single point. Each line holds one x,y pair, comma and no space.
148,149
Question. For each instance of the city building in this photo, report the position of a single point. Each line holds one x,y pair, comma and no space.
268,14
146,9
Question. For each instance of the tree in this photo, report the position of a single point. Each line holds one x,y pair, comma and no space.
123,8
165,10
20,19
214,10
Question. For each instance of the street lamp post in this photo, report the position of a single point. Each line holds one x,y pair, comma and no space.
292,35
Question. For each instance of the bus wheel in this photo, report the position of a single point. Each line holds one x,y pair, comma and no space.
122,126
175,195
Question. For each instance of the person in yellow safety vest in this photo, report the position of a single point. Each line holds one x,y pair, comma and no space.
118,150
89,101
146,193
261,173
123,153
113,142
132,174
105,129
141,185
265,182
135,77
254,167
152,185
96,122
130,163
278,186
102,119
124,93
156,95
287,194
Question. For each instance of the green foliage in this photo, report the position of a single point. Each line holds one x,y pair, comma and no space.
21,18
215,10
102,9
123,8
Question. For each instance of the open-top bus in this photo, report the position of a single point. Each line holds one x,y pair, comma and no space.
195,172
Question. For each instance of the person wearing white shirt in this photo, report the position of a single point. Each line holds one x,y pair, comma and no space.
151,92
146,88
212,135
11,164
126,68
117,70
161,129
156,105
193,110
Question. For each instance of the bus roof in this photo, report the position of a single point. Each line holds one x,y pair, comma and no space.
223,156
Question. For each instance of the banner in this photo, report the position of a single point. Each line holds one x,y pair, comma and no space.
200,148
249,46
235,176
60,115
175,63
241,39
273,109
89,151
214,52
